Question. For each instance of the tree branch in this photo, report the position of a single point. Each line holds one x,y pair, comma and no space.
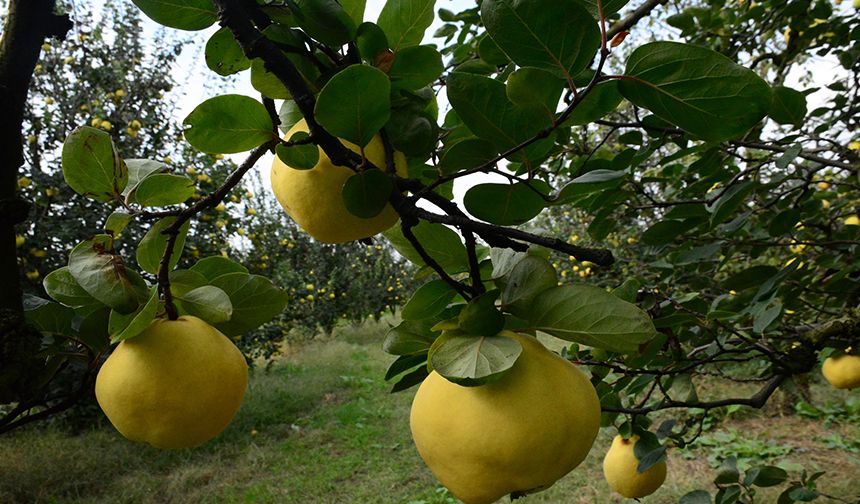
757,400
182,217
634,17
256,45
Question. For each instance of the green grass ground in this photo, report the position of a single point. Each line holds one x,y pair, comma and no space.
320,427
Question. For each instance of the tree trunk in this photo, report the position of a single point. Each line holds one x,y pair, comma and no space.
28,23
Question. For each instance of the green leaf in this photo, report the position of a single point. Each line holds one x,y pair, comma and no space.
411,379
428,300
698,254
728,495
224,55
161,189
415,67
228,124
482,104
504,204
765,476
153,243
667,231
473,360
404,21
180,14
267,83
696,89
91,324
684,389
535,87
410,337
504,260
208,303
355,104
785,160
182,281
104,276
123,327
490,52
803,494
405,363
783,223
683,21
48,317
365,194
591,316
289,114
440,242
325,20
788,106
412,132
696,497
215,266
138,170
255,301
116,222
729,200
648,451
728,472
528,278
628,290
466,154
555,35
766,317
299,156
601,100
588,183
355,9
371,41
62,286
750,277
481,317
91,165
610,7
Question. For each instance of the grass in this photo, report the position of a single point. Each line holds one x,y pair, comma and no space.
320,427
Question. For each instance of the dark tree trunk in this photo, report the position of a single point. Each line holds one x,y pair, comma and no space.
28,23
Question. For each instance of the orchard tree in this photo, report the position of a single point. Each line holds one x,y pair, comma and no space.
691,141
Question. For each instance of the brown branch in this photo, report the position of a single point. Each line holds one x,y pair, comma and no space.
802,154
255,45
182,217
601,257
634,17
757,400
736,143
406,226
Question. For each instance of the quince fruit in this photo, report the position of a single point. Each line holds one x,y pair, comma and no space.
313,197
177,384
620,468
843,371
517,435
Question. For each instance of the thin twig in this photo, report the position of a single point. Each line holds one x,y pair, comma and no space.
182,217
